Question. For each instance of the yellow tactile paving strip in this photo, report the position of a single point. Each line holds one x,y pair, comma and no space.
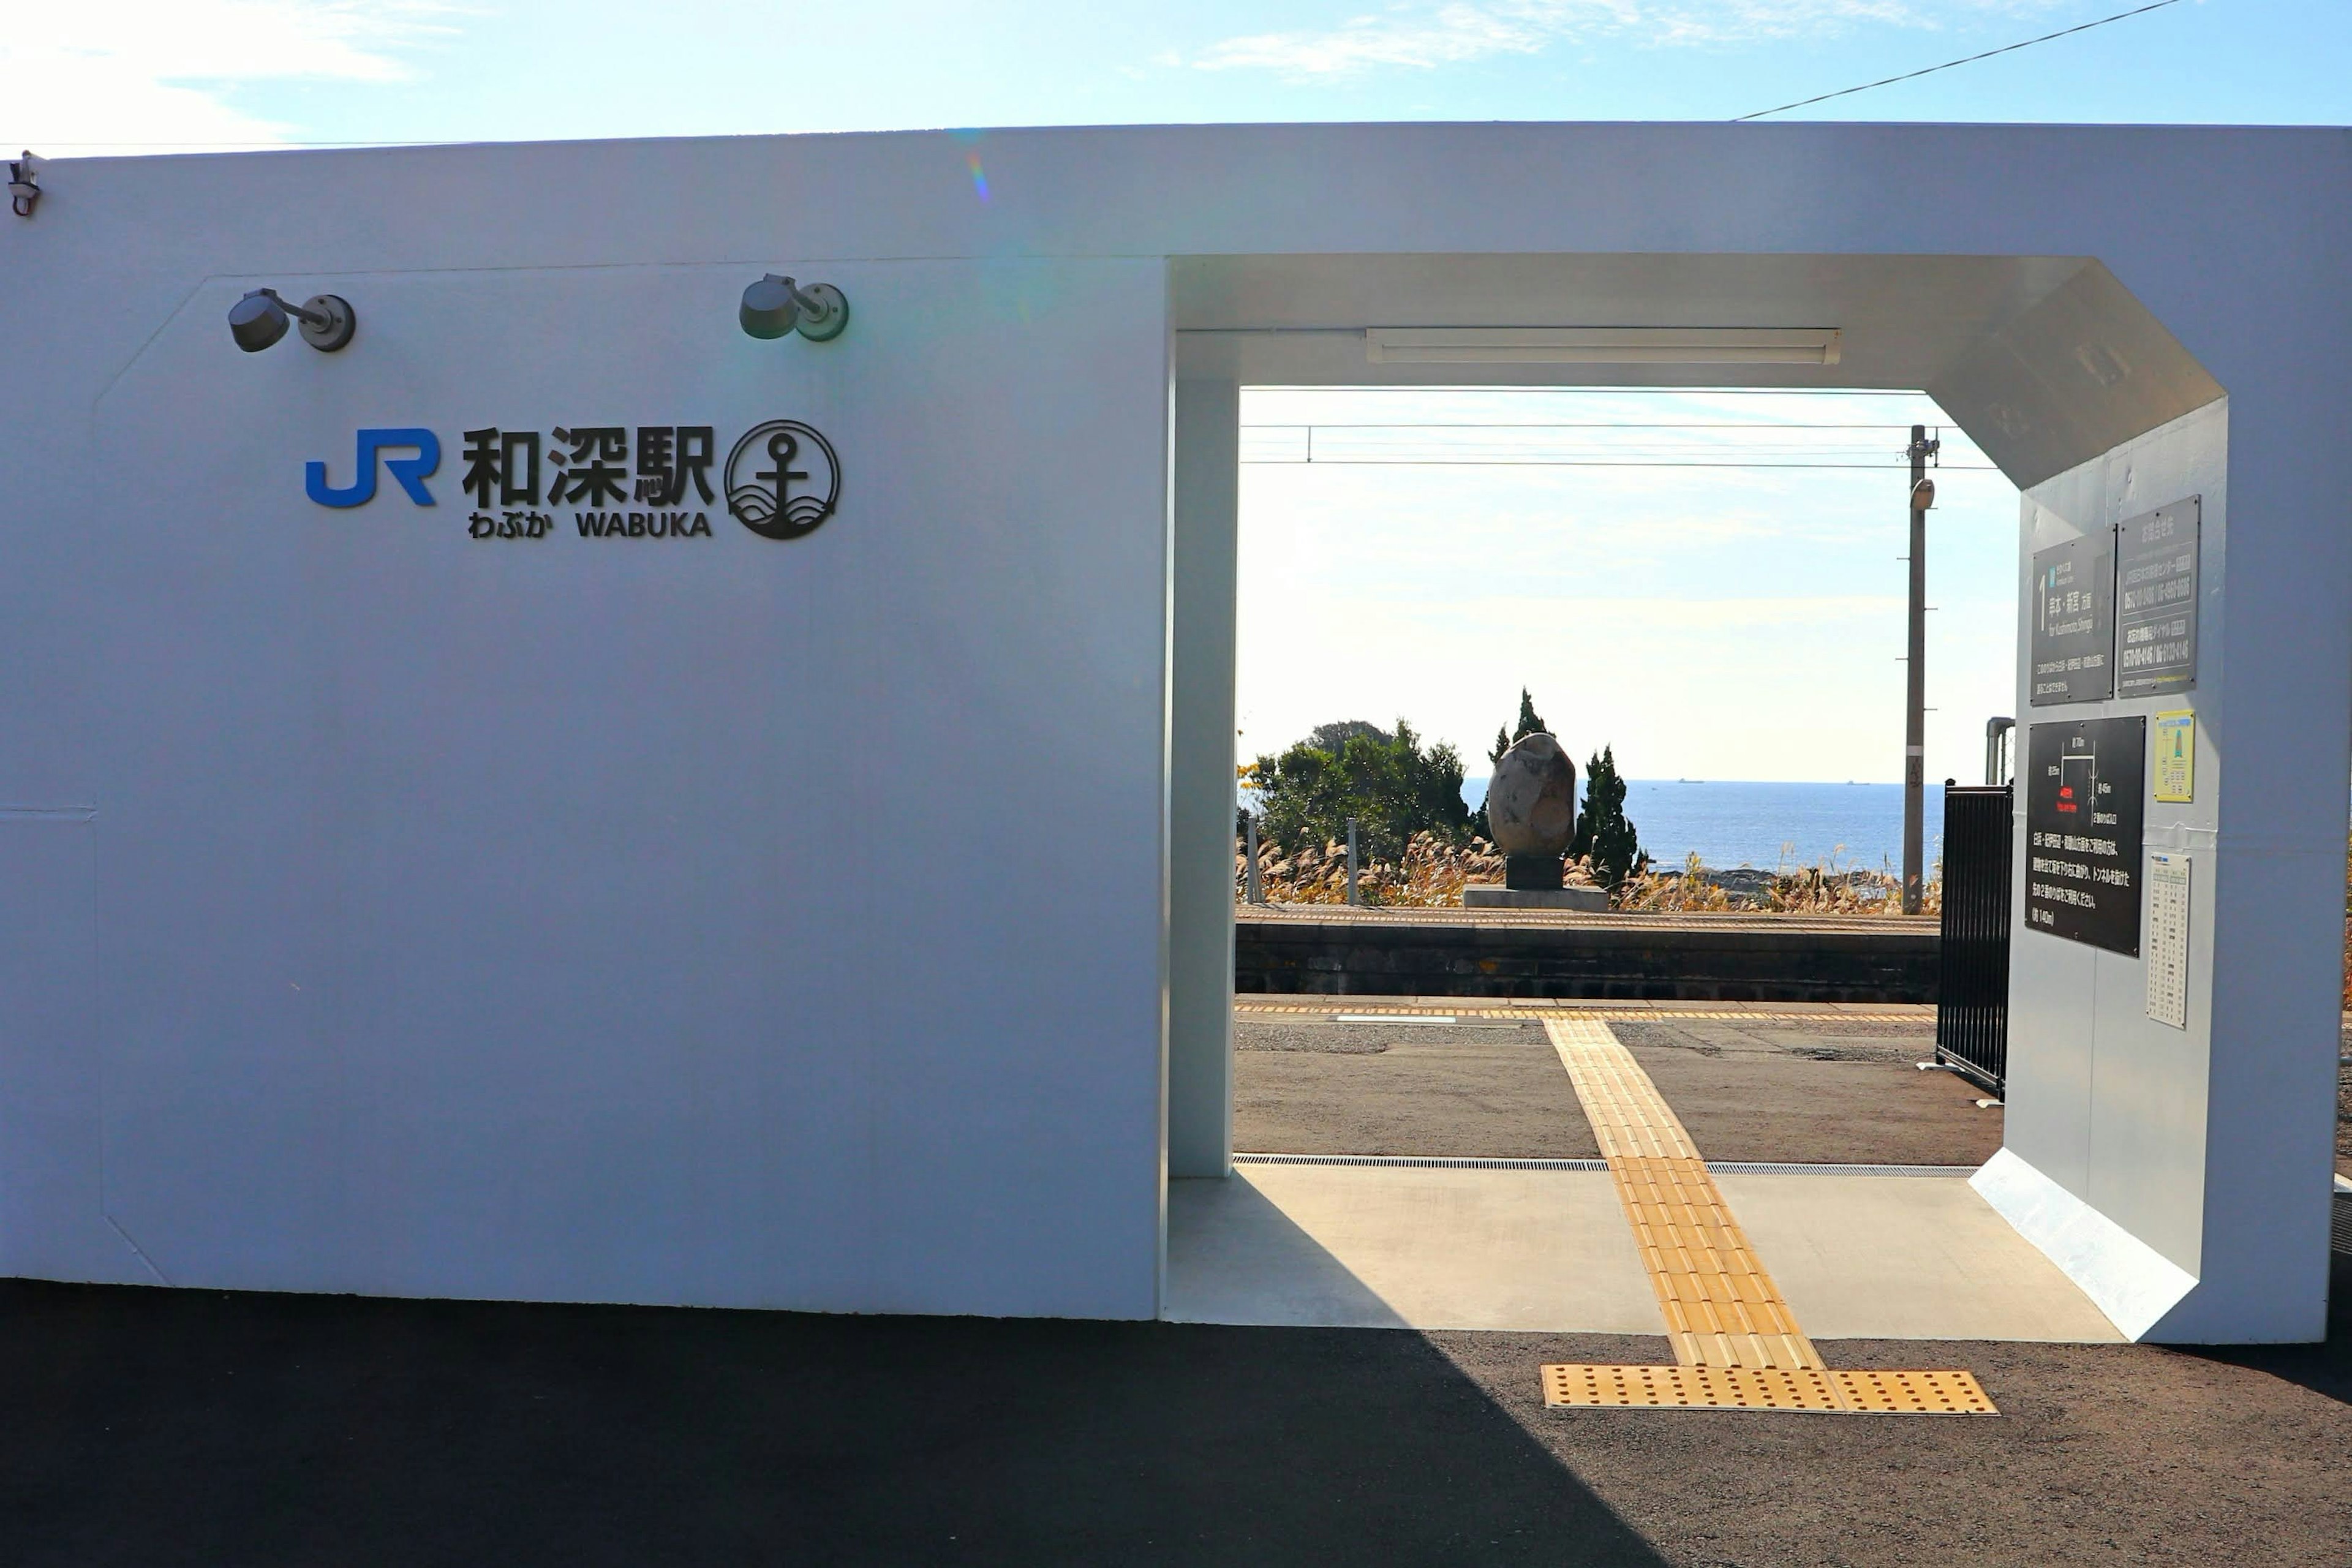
1736,1339
1721,1308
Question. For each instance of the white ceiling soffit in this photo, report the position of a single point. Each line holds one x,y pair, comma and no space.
2046,362
2077,375
1303,320
1601,345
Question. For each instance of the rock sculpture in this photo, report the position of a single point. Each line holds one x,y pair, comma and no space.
1531,812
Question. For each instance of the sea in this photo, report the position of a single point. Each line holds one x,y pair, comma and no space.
1846,826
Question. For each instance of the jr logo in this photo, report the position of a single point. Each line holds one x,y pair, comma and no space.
411,473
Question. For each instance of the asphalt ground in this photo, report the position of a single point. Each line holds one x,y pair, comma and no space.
1306,1086
152,1426
181,1426
1838,1090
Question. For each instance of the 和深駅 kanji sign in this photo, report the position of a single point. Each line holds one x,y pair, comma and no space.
781,481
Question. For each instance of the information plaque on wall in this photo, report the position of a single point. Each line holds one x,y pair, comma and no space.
2155,601
2083,789
2073,619
2167,938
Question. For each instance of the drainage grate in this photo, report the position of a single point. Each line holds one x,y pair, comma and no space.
1423,1162
1769,1168
1765,1388
1504,1162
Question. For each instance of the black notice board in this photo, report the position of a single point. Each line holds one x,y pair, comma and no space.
2074,620
2085,786
2155,601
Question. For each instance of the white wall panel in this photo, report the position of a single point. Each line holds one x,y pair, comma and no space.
642,918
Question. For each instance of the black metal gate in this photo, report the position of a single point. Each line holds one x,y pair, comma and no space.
1972,983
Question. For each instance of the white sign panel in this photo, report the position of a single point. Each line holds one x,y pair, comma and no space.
2167,939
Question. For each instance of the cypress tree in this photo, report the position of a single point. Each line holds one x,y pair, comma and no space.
1530,723
1603,831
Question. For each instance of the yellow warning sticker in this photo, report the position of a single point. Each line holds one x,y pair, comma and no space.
2174,757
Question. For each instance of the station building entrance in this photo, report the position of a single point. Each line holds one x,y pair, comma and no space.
406,907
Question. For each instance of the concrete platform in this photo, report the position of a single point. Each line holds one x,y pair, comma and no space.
1887,1258
1906,1257
1336,950
1392,1247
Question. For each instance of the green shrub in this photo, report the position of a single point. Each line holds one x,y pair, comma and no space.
1386,781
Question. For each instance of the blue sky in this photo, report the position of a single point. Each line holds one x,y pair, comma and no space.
158,73
1719,623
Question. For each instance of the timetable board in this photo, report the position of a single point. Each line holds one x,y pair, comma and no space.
2167,938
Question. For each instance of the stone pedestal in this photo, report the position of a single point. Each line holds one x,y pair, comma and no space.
1537,873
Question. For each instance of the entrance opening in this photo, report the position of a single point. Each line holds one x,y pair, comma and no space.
1710,586
1754,625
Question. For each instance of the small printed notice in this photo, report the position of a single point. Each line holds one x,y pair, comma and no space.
2155,601
2074,620
2167,938
2173,756
2085,784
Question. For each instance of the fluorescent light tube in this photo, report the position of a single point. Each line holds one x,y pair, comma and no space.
1602,345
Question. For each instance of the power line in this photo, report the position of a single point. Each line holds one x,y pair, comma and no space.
1965,60
1581,463
1549,424
1587,390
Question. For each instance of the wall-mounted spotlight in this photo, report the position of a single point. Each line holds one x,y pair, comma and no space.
775,306
1923,495
259,320
24,190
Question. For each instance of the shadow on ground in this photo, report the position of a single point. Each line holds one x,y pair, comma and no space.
2324,1369
149,1426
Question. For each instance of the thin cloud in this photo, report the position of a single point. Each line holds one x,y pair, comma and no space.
127,73
1424,38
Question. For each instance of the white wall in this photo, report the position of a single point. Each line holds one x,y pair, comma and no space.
1206,525
2184,1174
636,920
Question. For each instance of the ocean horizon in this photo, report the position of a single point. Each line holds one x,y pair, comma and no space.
1768,825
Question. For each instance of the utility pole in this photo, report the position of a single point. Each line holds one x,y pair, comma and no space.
1915,669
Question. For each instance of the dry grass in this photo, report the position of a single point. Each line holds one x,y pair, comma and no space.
1430,876
1802,890
1433,873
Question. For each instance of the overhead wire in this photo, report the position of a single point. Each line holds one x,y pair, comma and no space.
1964,60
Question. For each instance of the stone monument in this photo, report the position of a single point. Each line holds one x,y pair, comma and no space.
1531,816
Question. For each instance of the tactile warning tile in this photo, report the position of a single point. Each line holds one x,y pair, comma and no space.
1765,1388
1913,1393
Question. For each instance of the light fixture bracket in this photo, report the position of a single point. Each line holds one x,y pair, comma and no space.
775,307
24,186
258,320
